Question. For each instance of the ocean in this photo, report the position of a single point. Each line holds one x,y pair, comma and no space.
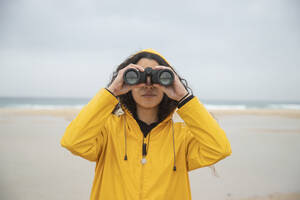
60,103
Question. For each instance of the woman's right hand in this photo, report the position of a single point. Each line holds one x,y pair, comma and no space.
118,86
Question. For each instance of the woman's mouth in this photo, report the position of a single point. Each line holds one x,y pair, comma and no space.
148,95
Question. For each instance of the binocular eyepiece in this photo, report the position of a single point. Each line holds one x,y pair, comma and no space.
164,77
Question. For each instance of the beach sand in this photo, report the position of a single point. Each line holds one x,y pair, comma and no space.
264,163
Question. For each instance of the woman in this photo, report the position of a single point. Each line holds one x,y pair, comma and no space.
114,130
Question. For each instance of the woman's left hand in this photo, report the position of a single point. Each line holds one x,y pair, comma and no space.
175,91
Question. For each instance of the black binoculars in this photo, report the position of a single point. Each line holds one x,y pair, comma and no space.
133,76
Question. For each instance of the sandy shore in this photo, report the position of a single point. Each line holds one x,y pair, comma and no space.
264,165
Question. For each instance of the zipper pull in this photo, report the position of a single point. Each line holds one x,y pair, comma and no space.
144,149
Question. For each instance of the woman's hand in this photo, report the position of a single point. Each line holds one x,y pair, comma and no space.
175,91
118,86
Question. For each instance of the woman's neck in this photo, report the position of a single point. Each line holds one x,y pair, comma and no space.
147,115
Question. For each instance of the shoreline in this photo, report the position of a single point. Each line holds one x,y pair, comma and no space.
290,113
67,112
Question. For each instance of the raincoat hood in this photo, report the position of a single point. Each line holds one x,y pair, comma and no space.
154,52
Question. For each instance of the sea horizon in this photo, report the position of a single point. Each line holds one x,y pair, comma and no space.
79,102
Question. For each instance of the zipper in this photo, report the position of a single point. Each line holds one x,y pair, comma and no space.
144,151
142,178
142,168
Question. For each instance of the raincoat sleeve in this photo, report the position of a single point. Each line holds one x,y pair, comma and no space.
85,136
206,143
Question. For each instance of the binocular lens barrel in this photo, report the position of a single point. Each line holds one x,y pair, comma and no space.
165,78
131,77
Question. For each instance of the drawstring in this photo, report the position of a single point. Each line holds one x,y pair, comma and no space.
148,146
125,157
174,168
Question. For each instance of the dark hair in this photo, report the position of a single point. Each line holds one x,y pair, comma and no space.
167,105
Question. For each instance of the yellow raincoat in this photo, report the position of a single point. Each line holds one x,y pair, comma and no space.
99,135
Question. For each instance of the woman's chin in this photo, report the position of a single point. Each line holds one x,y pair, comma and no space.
149,105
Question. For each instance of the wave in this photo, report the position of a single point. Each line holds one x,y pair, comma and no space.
245,107
285,106
225,107
43,107
208,105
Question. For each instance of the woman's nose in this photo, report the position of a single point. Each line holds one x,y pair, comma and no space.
148,81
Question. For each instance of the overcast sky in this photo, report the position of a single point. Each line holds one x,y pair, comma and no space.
233,50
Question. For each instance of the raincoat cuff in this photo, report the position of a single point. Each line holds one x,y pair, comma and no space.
107,97
110,92
190,107
180,104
